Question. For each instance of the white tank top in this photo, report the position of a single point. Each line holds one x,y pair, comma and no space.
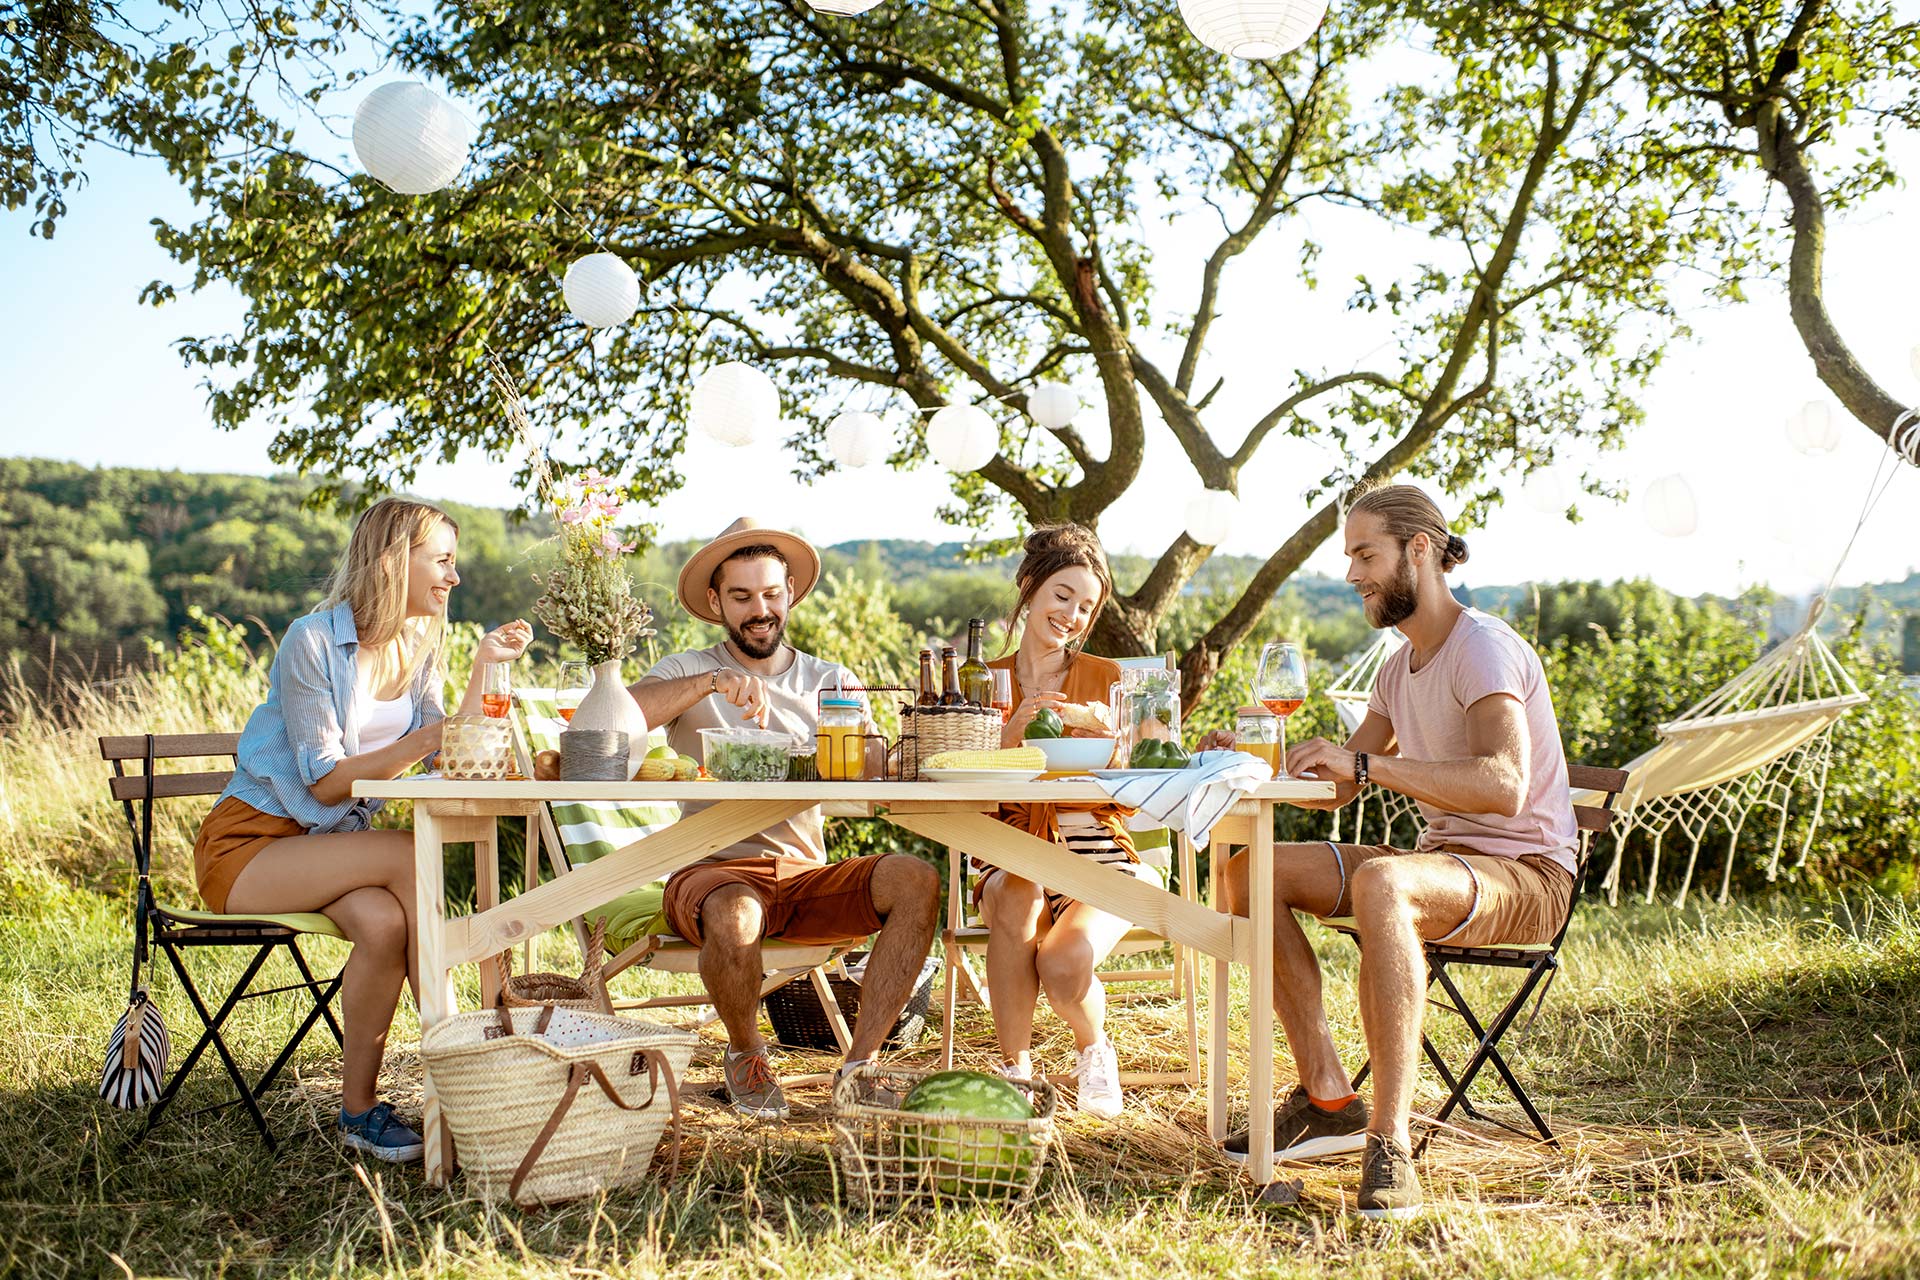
382,721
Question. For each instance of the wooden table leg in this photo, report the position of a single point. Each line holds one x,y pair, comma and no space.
1219,1001
486,895
436,981
1260,1020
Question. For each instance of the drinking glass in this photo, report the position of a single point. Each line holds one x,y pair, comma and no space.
574,679
1280,684
1002,692
496,689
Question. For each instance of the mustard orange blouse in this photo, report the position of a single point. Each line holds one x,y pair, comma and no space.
1089,679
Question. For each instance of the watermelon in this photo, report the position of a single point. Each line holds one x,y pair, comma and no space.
967,1157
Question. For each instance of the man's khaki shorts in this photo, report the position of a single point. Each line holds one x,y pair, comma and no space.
1516,901
801,901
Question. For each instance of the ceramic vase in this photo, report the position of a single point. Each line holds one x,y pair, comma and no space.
607,707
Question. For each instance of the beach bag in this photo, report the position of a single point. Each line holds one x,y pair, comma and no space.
549,1104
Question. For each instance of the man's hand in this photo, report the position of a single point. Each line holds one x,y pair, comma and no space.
749,693
1218,740
1321,760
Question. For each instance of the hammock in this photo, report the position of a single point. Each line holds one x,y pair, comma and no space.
1747,746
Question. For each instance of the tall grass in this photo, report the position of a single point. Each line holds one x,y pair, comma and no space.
1732,1087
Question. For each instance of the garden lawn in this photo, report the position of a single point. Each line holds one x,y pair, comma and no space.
1733,1090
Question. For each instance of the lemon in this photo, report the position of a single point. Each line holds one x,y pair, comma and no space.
661,752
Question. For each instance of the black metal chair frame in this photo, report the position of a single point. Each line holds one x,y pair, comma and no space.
1539,966
172,936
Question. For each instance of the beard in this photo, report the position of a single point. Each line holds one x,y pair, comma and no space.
1395,602
758,648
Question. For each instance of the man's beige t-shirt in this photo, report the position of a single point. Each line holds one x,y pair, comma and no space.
1428,709
792,708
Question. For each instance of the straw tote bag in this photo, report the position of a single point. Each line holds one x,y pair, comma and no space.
549,1104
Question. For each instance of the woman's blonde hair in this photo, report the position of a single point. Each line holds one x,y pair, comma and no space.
371,578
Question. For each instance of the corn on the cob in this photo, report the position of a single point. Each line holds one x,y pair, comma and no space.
1006,758
656,770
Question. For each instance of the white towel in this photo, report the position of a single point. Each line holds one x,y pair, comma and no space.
1190,799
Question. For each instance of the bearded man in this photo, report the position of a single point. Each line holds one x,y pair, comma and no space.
777,884
1462,722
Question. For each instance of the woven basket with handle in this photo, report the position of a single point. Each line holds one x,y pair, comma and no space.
548,1105
927,731
531,990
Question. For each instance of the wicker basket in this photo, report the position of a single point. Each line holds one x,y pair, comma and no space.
533,990
541,1119
927,731
887,1158
801,1023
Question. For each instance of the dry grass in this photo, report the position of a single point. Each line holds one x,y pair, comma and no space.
1732,1089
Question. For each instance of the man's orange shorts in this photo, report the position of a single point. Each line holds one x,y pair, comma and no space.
802,901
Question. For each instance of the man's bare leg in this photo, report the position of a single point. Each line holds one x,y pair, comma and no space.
731,920
1306,877
1397,901
906,894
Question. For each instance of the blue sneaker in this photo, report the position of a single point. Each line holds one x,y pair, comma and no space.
379,1133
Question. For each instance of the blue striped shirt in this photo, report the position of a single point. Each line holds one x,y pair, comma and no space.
307,726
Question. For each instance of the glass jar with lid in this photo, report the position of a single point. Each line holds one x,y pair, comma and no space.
1256,731
840,744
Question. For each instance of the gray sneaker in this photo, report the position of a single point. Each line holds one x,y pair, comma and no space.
1302,1131
751,1085
1389,1188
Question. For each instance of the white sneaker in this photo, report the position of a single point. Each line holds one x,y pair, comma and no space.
1015,1071
1098,1072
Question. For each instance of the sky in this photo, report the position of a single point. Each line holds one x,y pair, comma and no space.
92,376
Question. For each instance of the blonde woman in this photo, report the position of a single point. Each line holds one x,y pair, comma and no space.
1040,937
354,693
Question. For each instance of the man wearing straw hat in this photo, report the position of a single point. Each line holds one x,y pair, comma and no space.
777,884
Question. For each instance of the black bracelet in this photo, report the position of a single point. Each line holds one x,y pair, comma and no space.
1360,768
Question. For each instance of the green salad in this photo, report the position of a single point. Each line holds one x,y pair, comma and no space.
747,761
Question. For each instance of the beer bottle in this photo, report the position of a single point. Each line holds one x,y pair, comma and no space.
928,698
950,678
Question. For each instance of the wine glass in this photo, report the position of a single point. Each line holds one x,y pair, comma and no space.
1002,692
574,679
496,689
1280,684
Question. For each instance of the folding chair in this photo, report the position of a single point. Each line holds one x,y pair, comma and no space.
1537,963
965,936
577,832
174,930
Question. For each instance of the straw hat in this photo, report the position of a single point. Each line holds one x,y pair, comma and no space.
803,563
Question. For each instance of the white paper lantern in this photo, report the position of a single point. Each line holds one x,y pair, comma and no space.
963,437
1549,491
843,8
1053,404
1210,516
735,404
601,290
1253,29
859,439
410,138
1812,430
1670,507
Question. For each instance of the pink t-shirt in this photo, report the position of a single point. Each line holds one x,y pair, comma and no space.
1428,709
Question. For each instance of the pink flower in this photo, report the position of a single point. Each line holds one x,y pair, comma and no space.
572,515
610,543
592,478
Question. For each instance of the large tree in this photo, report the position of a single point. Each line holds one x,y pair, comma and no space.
942,203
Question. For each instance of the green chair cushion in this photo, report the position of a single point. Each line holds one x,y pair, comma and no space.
632,916
298,921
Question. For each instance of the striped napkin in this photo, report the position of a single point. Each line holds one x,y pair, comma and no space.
1190,799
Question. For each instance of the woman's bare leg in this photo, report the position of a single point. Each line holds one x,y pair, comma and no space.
1066,958
1015,911
363,882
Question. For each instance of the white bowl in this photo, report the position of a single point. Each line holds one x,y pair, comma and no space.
1068,754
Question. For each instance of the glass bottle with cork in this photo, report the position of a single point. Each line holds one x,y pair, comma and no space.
950,695
928,698
976,682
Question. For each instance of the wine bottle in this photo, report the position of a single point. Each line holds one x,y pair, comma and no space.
976,683
950,679
928,698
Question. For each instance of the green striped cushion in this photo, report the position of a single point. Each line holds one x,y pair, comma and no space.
592,829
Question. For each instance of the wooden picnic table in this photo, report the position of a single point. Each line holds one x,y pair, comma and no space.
957,815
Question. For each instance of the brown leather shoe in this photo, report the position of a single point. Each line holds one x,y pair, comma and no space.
1389,1188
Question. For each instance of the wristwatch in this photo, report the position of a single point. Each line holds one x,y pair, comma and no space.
1360,768
713,685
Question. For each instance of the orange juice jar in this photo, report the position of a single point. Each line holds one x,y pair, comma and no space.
840,745
1256,731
